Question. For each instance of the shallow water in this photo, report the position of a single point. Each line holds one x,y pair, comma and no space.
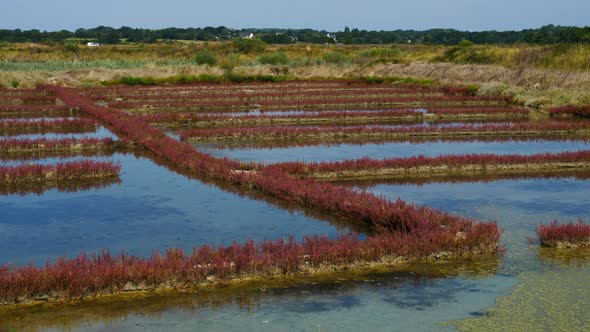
42,118
422,300
100,132
388,150
152,208
551,292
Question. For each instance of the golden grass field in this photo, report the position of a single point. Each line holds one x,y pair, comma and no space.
535,75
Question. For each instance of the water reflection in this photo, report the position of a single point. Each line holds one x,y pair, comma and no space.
388,150
411,289
551,294
57,155
152,209
564,257
35,114
366,183
25,189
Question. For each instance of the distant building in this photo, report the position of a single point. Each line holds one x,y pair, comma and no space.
93,44
332,36
247,35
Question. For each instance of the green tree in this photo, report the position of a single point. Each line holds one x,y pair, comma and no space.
347,36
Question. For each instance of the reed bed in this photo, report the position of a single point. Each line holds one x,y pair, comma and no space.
85,169
19,127
445,165
565,235
555,128
569,111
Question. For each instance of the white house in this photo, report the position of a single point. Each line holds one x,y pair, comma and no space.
93,44
332,36
247,35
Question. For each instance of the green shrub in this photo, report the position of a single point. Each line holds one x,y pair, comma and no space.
396,79
472,89
210,78
249,45
462,54
188,79
206,57
465,43
381,53
335,57
231,61
235,78
306,61
71,46
276,58
130,80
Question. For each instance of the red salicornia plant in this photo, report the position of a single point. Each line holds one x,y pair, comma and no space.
12,127
84,169
55,144
572,234
106,274
341,132
566,111
449,161
401,230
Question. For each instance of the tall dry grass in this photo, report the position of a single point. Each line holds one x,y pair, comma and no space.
535,75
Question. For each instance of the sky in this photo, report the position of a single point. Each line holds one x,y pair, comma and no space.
331,15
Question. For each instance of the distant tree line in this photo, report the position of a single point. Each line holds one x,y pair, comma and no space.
549,34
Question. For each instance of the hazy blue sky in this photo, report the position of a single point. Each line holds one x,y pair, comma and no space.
320,14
